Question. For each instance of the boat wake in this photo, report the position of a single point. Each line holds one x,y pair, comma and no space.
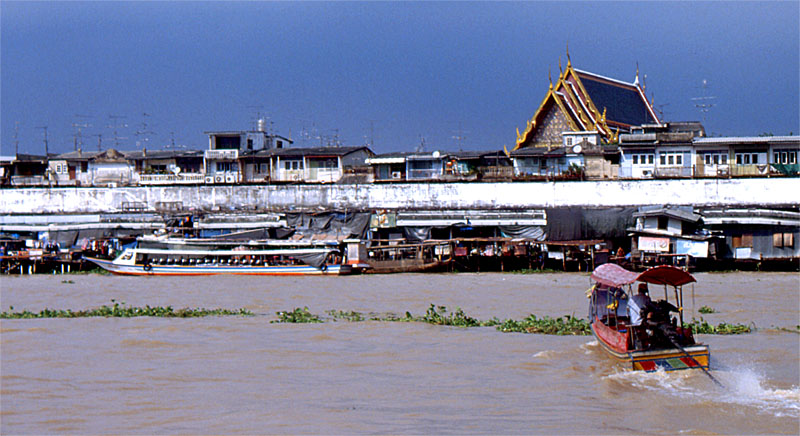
747,387
743,387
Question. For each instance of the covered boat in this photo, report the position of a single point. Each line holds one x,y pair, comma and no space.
641,331
242,260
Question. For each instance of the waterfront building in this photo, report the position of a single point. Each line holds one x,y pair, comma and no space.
756,234
582,155
746,156
167,167
28,169
111,168
221,159
659,150
314,164
671,235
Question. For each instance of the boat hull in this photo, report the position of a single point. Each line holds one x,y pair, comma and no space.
206,270
669,359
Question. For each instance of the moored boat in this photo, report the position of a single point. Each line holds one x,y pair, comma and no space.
637,330
239,261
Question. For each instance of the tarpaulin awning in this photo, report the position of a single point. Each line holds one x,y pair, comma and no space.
611,274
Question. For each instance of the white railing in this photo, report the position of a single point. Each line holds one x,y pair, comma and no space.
224,154
170,179
326,175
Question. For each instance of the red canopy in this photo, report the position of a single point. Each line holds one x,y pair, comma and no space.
611,274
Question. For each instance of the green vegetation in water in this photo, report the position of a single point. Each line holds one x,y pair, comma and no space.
706,309
536,271
439,315
297,316
566,325
703,327
69,282
351,316
796,329
120,310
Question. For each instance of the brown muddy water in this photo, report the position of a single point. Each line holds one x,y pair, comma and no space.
246,375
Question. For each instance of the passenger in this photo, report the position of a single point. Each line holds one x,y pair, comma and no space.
636,304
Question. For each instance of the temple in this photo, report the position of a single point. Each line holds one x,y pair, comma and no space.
581,101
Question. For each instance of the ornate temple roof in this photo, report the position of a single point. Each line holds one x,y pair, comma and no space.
584,101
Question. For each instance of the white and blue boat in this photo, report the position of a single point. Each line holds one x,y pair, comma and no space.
249,259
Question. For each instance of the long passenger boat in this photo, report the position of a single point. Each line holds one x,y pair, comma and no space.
242,260
659,342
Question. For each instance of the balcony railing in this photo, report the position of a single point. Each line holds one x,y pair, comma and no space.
170,179
414,174
223,154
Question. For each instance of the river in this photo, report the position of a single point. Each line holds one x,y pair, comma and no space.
237,374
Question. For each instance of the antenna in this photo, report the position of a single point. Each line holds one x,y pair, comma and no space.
371,139
460,137
99,142
16,138
46,146
660,109
143,132
115,126
421,147
77,137
703,103
257,108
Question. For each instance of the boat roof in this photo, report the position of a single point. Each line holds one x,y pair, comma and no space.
611,274
198,252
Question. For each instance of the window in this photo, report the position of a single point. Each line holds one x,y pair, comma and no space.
293,165
746,158
743,240
671,158
783,240
569,141
663,223
785,157
264,168
227,166
715,158
642,159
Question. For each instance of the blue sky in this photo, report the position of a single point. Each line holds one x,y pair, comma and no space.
389,73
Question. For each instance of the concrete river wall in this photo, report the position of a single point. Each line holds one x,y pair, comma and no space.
773,192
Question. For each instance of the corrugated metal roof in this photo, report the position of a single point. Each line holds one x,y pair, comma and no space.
747,140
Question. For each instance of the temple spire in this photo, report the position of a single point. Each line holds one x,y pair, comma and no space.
569,62
636,82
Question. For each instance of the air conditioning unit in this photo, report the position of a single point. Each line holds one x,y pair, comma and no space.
219,178
397,175
209,179
230,178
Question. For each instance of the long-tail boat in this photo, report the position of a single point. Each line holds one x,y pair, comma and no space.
659,342
241,260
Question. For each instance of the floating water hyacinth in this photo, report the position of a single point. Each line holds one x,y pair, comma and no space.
120,310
